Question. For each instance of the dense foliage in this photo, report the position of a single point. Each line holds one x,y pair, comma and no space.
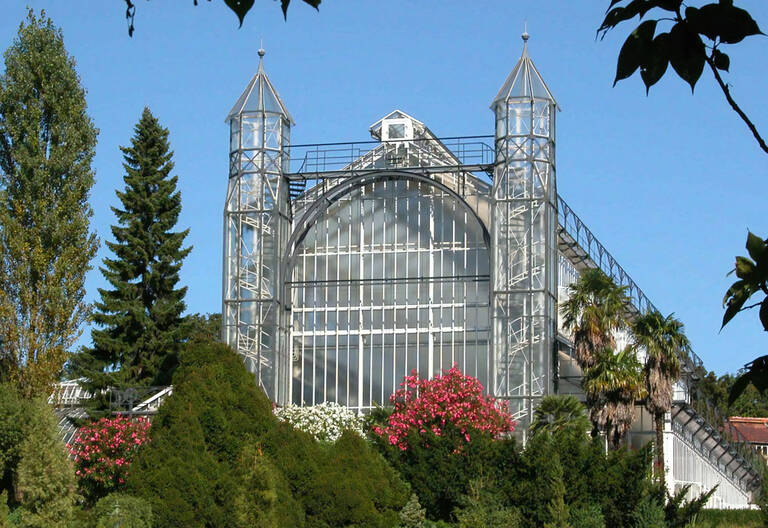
752,283
119,510
103,452
38,480
217,450
47,144
139,324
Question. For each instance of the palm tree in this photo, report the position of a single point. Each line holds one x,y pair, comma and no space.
664,342
561,413
596,307
612,385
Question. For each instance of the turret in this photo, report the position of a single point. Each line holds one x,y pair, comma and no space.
257,225
523,230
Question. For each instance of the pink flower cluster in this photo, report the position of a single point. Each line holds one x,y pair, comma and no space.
451,400
103,451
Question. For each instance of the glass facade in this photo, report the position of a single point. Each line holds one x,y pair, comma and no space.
392,277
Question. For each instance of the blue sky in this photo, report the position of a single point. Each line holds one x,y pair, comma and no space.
669,183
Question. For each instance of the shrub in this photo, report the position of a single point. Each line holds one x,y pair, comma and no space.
262,496
220,458
482,507
729,519
413,515
45,476
648,514
439,474
118,510
356,487
452,400
589,516
187,471
5,511
103,452
13,412
325,422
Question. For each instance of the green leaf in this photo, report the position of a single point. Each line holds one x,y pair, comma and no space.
744,268
757,375
240,7
764,314
724,21
687,53
756,246
736,24
656,60
738,387
722,61
620,14
734,299
633,52
285,3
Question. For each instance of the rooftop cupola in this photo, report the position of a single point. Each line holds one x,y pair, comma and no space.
525,81
260,96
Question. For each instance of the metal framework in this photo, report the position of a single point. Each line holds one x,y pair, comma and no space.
524,292
257,224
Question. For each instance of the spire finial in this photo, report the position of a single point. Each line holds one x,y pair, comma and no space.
525,36
261,53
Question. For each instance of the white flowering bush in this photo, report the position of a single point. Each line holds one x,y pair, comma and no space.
325,422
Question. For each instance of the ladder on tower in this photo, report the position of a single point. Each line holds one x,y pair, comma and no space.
296,187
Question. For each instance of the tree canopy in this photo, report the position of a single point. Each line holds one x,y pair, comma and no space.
47,144
239,7
695,39
140,327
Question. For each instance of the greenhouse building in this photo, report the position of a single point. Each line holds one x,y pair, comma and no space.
348,265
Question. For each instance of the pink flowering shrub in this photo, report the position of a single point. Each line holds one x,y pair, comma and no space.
104,450
453,402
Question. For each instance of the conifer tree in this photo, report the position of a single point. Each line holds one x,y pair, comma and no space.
140,324
45,474
47,143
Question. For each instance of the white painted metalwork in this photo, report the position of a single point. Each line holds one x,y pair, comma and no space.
393,277
257,223
523,271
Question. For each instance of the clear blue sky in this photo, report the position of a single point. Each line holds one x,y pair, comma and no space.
670,183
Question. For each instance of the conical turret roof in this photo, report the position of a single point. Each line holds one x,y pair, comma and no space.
525,81
260,96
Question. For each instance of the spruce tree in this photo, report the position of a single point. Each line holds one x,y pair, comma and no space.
140,327
47,143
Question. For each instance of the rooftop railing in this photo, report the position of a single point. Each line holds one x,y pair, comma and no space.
474,152
579,237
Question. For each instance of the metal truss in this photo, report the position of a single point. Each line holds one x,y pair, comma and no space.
523,276
257,223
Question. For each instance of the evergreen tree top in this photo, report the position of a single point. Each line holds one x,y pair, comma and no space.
140,327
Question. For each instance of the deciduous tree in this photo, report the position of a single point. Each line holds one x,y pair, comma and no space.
47,144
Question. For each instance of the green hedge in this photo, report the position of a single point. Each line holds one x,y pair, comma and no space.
218,457
729,519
